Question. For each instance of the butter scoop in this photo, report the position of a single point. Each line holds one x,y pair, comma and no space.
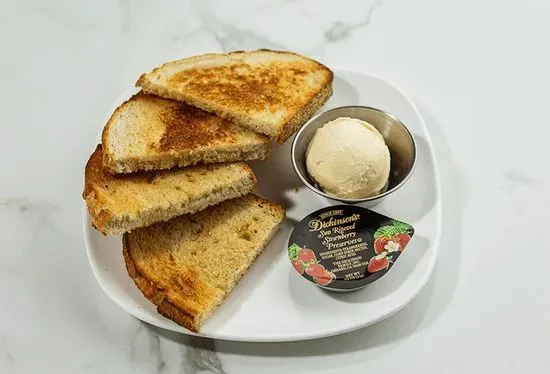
348,158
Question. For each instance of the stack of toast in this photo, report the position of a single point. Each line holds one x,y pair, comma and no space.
170,174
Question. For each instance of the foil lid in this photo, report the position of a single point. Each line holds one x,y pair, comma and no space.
346,247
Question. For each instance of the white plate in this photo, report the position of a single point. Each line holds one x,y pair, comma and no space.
272,302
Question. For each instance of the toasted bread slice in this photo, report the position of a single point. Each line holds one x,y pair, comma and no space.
149,133
271,92
120,203
188,265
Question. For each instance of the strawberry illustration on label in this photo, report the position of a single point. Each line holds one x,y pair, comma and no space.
299,266
322,281
316,270
392,246
380,244
346,247
392,237
377,263
306,255
325,279
302,258
403,239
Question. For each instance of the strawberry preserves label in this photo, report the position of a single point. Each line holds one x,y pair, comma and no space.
346,247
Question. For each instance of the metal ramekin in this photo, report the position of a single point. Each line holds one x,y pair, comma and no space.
397,137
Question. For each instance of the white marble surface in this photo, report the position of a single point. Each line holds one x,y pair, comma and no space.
477,69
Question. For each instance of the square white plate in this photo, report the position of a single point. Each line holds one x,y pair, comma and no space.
272,302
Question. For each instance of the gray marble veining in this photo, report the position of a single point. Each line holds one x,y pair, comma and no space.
154,349
4,348
517,178
41,210
231,37
341,31
452,57
196,360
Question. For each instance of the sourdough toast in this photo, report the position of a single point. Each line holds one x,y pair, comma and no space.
150,133
270,92
188,265
120,203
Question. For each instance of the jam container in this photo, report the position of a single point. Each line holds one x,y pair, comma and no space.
346,247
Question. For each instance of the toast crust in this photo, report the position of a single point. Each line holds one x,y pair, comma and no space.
188,300
184,315
119,203
150,133
155,294
238,91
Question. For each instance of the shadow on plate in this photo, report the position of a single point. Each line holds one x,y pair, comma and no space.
300,289
419,196
423,311
347,94
393,279
276,178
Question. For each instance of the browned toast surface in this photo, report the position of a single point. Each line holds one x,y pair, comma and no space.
148,133
271,92
120,203
188,265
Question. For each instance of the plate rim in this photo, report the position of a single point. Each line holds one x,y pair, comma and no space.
143,316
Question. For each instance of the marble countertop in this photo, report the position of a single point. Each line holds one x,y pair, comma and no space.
478,71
